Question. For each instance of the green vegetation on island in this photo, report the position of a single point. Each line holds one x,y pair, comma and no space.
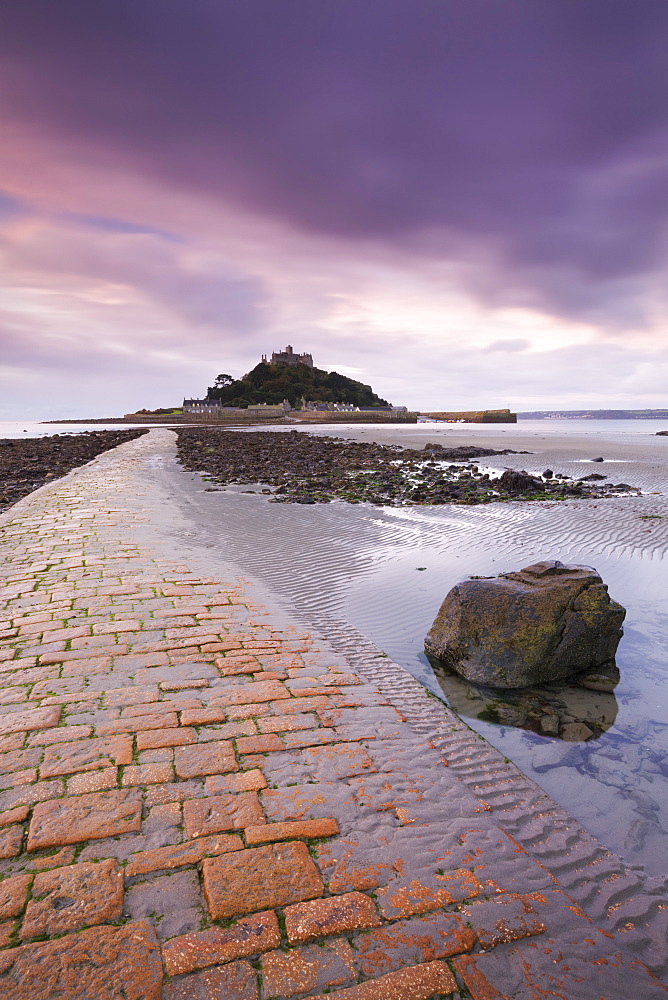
268,383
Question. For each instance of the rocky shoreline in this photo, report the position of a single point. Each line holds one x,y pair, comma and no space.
28,463
297,467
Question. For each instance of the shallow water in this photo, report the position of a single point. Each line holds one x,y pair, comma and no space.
616,784
549,430
34,429
385,571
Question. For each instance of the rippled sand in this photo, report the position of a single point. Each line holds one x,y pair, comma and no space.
348,568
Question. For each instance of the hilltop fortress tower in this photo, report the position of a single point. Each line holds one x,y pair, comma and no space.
288,357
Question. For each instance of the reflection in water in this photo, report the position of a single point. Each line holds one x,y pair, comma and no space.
332,563
573,713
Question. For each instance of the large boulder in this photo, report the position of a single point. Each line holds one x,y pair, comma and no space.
545,623
519,482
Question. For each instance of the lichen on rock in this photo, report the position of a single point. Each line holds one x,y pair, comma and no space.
546,622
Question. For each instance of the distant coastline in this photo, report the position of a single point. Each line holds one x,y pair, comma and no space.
594,415
466,417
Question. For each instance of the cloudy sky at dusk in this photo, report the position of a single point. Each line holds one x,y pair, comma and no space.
461,202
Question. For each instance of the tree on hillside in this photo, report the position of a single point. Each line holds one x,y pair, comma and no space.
273,383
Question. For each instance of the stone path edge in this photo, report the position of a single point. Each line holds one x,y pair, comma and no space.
615,895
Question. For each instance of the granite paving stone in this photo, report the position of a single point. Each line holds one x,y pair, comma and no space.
13,696
173,901
55,859
307,969
248,936
174,791
207,734
166,738
178,855
207,802
235,713
67,899
203,716
304,801
289,723
29,720
320,917
243,781
14,816
159,756
15,778
11,839
403,898
575,970
237,981
13,742
419,982
161,831
259,744
66,758
260,878
13,895
307,829
507,918
210,758
84,817
217,813
408,942
147,774
104,962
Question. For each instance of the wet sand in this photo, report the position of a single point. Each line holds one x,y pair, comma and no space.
309,469
383,572
128,628
560,445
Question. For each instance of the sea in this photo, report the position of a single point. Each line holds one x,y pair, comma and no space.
605,430
383,572
35,429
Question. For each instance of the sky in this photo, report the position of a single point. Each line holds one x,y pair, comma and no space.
460,202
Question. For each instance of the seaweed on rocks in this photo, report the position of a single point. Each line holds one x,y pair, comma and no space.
306,469
28,463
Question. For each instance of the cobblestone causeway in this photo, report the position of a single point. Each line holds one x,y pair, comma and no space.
198,801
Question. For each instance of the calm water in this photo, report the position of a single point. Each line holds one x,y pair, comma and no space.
336,564
616,784
612,430
386,571
605,430
33,429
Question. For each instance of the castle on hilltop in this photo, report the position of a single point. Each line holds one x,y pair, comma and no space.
288,357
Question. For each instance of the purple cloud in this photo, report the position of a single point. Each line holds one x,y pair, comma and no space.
527,139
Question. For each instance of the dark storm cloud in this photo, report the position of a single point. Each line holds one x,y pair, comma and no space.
526,134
